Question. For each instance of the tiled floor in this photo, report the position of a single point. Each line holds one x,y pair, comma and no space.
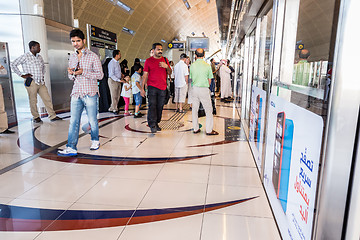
137,186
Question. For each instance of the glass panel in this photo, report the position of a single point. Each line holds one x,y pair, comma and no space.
7,6
312,68
259,87
297,112
249,78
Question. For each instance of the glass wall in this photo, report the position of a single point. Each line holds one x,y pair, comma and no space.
286,80
261,73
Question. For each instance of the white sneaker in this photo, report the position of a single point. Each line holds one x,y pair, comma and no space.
95,145
67,152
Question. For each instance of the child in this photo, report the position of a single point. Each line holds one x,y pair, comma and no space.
126,94
135,80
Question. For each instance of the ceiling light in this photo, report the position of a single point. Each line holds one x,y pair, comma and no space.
129,31
122,5
163,40
187,4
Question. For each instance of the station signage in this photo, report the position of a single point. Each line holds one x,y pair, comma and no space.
110,46
103,34
97,44
176,45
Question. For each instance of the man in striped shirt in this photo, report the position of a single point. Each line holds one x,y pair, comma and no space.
33,67
84,69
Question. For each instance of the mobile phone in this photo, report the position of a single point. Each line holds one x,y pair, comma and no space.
258,120
285,163
278,151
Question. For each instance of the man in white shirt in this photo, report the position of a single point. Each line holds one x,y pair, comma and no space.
181,73
115,80
33,67
225,87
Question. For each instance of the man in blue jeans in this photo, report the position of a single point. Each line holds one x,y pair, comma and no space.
84,69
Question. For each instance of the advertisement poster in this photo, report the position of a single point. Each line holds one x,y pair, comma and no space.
256,130
293,147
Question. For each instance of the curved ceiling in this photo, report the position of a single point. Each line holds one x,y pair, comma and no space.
152,20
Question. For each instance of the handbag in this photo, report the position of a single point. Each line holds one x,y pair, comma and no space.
28,81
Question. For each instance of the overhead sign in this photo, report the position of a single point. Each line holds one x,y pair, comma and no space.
103,34
110,46
176,45
198,42
97,44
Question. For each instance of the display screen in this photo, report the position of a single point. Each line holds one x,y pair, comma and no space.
195,43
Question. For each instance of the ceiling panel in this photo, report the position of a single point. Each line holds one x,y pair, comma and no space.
152,20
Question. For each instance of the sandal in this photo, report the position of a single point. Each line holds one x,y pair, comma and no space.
213,132
181,111
197,131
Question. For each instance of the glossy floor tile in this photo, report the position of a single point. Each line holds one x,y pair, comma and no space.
137,186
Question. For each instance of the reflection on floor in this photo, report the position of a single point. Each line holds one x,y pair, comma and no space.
170,185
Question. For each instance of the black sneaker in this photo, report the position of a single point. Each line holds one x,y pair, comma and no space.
137,116
7,131
55,119
153,129
157,127
37,120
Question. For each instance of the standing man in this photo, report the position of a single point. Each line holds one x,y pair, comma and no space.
214,70
187,62
115,80
302,69
225,88
181,73
84,69
156,69
201,75
33,71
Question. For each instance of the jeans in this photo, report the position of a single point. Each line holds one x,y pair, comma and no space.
137,98
212,85
90,103
156,99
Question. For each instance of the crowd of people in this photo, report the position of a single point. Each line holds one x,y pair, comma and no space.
156,81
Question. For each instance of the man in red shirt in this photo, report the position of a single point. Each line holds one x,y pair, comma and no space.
156,69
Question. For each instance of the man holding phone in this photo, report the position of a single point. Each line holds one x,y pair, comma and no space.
33,71
84,69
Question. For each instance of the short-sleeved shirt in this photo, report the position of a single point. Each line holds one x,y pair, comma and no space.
301,75
125,93
134,79
200,73
180,71
157,75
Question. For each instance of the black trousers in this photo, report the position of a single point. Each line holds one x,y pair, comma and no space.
156,98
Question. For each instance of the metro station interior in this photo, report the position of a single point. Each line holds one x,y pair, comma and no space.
285,164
